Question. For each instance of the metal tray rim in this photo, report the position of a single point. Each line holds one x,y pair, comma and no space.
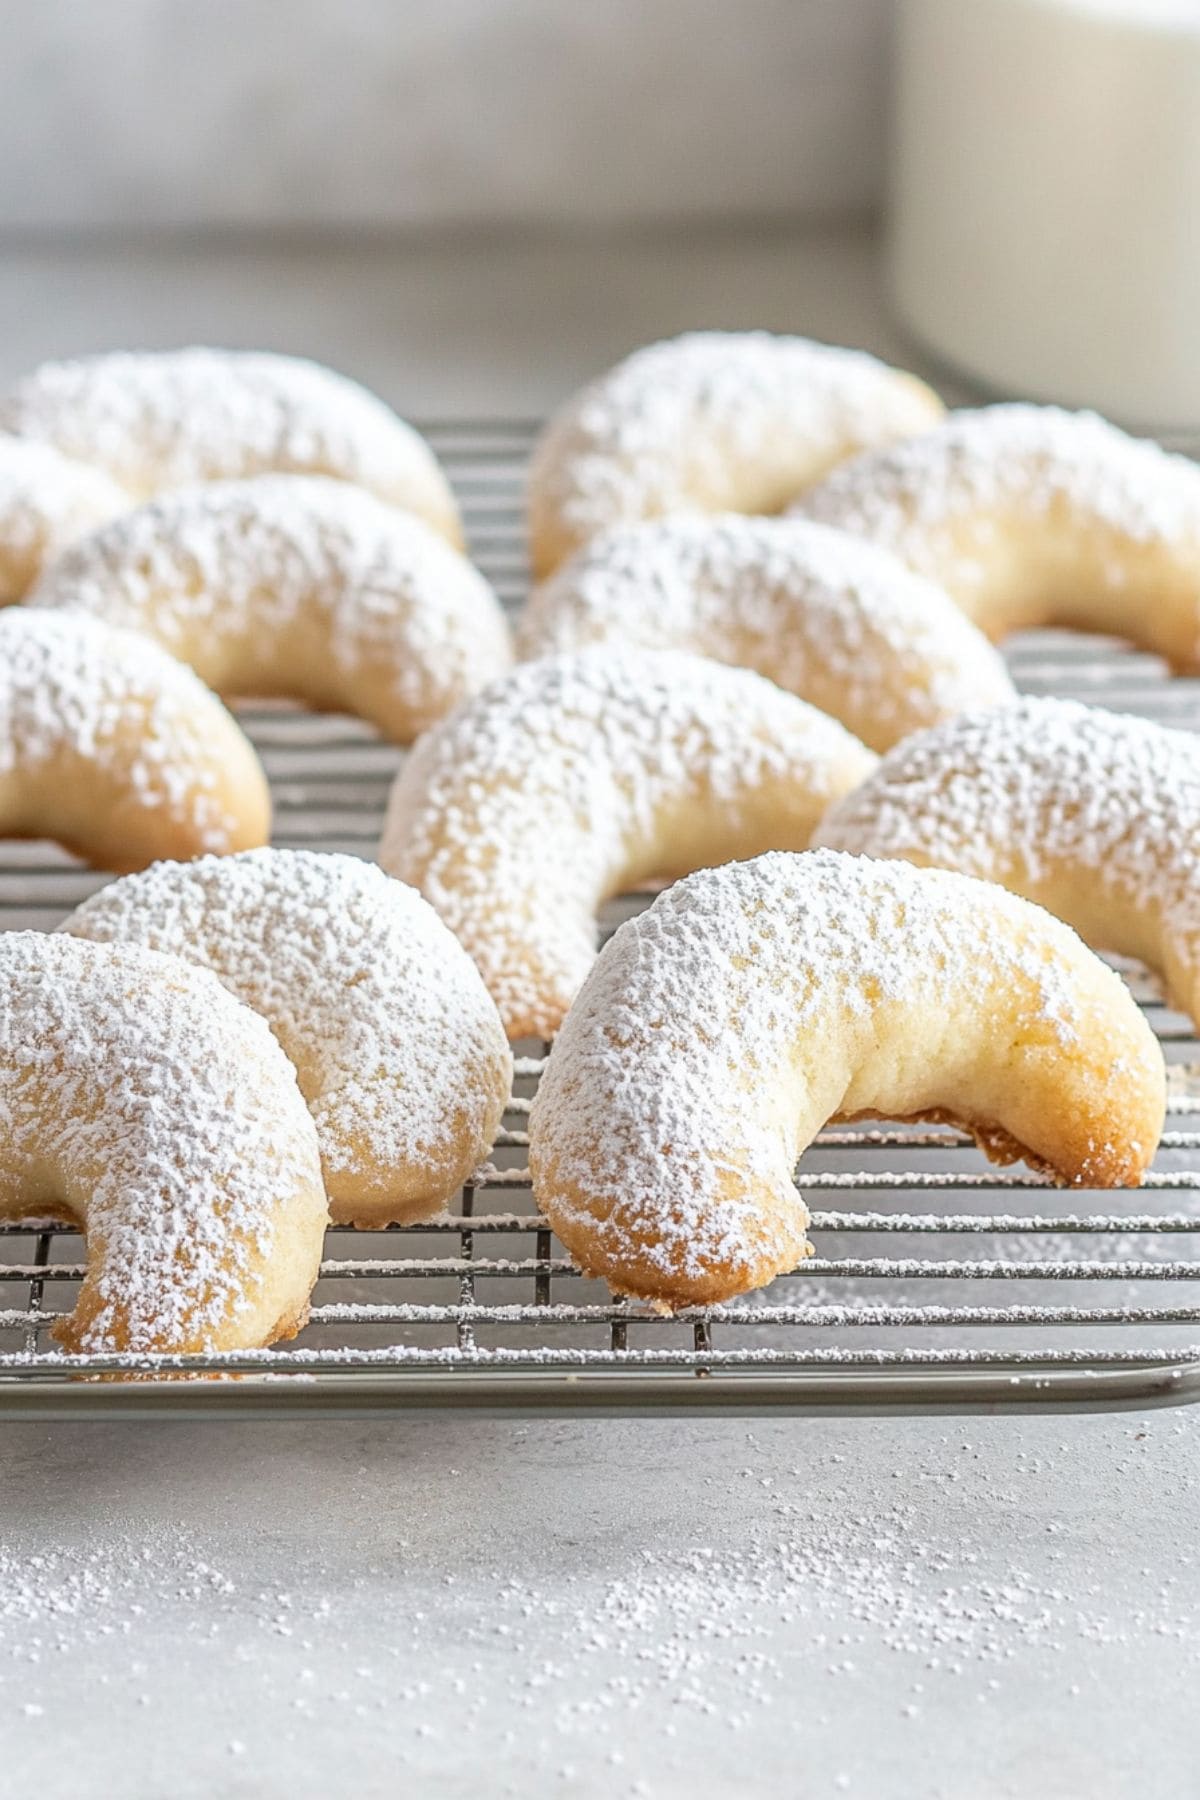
622,1393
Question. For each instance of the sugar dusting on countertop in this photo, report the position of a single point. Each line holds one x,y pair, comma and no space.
989,460
938,1577
244,579
518,813
828,1585
385,1016
828,616
110,697
653,1059
693,420
141,1083
161,419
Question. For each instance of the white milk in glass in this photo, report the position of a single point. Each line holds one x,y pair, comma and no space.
1045,206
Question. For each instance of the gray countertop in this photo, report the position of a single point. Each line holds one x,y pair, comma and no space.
898,1608
443,329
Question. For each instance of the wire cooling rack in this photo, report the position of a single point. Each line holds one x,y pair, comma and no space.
938,1281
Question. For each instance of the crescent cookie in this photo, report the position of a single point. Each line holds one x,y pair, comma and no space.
166,418
715,421
835,620
399,1052
720,1030
1093,814
46,501
295,586
575,778
142,1100
1029,515
115,750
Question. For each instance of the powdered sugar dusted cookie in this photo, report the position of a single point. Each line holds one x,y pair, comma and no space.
719,1031
143,1101
833,619
715,421
1029,515
114,749
296,586
1093,814
575,778
399,1051
167,418
47,500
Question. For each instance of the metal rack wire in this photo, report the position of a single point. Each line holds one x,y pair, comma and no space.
939,1281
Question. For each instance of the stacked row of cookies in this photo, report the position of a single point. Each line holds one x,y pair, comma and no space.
224,1052
702,686
721,1029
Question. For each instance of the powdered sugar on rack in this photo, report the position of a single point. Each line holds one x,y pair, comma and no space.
328,780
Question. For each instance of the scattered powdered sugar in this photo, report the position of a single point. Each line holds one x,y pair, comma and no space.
297,585
721,1028
162,419
137,1091
69,1598
834,1575
397,1046
110,1588
715,420
676,1629
46,501
580,774
75,686
1095,808
986,462
828,616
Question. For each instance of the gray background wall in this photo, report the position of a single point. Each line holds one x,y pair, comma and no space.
429,113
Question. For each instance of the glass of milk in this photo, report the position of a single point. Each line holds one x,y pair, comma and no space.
1045,208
